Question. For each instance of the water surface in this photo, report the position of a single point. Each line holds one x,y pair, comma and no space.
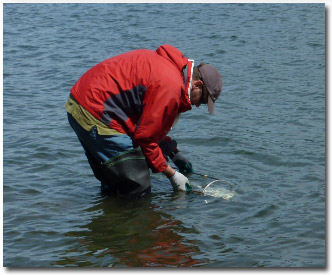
267,139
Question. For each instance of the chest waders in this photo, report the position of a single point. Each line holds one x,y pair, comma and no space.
127,174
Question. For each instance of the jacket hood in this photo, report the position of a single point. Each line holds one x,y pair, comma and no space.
173,54
185,67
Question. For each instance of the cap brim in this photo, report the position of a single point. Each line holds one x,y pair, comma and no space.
210,105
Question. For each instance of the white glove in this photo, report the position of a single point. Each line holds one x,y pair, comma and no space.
180,182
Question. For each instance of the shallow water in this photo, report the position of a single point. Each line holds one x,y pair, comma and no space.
267,139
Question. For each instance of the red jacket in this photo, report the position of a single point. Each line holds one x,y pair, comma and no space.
139,93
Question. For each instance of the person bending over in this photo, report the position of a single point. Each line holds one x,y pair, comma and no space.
123,108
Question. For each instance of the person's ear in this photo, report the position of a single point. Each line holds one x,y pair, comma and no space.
198,83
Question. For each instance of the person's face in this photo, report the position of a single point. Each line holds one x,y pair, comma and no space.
196,93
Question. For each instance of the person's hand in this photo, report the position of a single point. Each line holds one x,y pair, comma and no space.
180,182
185,166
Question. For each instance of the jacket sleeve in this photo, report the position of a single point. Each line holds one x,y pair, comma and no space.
160,109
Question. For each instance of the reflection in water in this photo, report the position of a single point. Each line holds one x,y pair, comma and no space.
132,234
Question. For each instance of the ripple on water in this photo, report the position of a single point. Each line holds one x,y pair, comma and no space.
266,138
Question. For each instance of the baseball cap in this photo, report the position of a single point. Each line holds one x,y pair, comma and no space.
212,84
